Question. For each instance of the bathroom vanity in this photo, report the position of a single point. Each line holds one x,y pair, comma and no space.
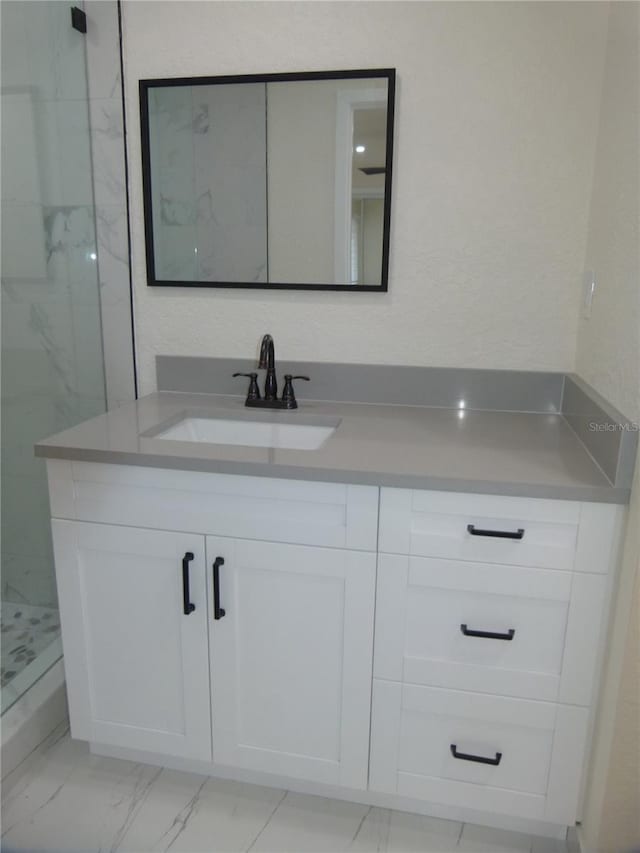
332,622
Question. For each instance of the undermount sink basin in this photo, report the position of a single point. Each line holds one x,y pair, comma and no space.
251,433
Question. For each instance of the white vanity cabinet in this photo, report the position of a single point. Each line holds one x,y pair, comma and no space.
489,623
474,701
269,669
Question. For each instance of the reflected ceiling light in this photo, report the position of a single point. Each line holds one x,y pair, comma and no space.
462,404
360,149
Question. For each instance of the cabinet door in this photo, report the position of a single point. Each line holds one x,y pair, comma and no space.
136,663
291,659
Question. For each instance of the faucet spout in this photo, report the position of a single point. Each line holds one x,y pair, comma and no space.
267,353
268,361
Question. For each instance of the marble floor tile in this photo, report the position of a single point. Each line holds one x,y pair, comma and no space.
66,799
185,812
306,824
74,802
484,839
35,758
388,831
549,845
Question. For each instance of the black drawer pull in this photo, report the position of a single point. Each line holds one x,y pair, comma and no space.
187,606
218,612
489,635
496,534
479,759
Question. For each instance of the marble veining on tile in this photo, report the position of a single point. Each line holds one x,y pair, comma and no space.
109,191
107,138
67,799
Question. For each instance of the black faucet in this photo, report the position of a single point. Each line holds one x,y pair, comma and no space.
267,361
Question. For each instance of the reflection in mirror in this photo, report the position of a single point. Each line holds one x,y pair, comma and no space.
208,188
367,194
277,181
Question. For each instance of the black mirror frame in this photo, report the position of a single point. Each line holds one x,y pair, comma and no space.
145,85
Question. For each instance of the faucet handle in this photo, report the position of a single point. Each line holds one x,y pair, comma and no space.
288,395
254,392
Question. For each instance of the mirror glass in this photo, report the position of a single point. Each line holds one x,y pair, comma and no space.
272,181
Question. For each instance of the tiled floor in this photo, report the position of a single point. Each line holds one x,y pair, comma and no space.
65,799
27,630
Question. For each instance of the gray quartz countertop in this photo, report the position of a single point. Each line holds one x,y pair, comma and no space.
508,453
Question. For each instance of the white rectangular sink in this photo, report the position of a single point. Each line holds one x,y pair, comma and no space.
250,433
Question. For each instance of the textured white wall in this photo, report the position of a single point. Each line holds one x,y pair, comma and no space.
608,355
495,135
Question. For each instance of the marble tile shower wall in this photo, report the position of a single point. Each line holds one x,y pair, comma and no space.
110,193
52,362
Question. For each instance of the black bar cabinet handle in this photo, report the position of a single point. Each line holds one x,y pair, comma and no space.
496,534
187,606
479,759
489,635
218,612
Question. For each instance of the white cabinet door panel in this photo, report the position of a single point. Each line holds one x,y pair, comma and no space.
136,664
291,660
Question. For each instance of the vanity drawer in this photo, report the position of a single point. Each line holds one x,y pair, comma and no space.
333,515
482,752
482,528
434,616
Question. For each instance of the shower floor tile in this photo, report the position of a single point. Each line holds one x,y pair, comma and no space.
27,630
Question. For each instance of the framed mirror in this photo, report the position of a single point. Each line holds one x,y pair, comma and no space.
274,181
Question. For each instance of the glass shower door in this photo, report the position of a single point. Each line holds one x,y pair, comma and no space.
52,360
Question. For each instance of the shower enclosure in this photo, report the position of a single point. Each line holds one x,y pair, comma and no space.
52,359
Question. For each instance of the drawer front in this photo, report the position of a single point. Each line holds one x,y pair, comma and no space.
483,752
471,626
481,528
290,511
